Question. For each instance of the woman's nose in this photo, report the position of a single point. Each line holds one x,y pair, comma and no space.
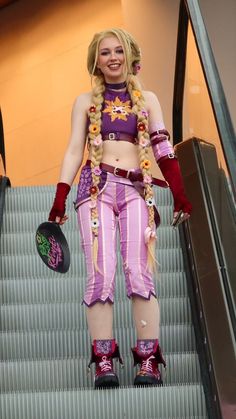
113,54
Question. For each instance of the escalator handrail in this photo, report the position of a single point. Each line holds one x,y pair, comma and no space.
2,145
190,12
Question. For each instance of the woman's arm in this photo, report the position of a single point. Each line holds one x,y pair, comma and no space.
74,153
73,157
155,116
166,159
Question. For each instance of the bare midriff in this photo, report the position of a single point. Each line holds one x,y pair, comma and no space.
122,154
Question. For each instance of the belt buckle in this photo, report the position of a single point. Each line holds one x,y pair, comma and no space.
171,155
112,136
115,171
117,174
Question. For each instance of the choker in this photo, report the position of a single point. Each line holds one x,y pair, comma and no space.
116,86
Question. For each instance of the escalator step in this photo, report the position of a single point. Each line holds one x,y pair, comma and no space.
46,375
171,402
24,242
76,343
45,290
71,315
25,266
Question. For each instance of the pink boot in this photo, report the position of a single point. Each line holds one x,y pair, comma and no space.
103,352
148,354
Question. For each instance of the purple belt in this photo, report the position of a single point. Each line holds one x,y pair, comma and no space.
134,176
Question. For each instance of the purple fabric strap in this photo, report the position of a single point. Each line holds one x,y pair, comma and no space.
146,346
104,346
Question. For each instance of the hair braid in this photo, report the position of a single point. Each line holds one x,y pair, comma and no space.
138,102
96,147
132,61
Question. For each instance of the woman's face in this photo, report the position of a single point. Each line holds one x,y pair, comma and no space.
111,60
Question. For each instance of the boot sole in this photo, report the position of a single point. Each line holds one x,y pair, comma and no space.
106,382
147,382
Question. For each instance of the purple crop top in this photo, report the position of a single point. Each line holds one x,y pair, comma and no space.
117,115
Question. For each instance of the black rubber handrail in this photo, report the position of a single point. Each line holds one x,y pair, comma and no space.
2,145
189,12
217,395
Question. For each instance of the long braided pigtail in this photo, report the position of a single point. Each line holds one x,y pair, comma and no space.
96,147
145,164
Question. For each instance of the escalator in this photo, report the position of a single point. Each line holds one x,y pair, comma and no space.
44,338
44,341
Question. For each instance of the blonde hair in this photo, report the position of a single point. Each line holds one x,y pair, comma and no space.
132,55
132,51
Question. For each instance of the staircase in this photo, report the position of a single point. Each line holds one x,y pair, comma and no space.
44,341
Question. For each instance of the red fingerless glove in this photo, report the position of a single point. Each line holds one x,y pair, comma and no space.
59,204
171,172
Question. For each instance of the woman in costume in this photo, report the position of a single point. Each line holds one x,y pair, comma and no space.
115,191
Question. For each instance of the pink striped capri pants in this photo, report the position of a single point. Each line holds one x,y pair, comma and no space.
119,206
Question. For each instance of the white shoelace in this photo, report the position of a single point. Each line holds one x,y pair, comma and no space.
105,364
147,364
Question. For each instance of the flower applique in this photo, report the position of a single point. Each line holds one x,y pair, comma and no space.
92,109
144,142
150,202
117,109
141,126
93,128
146,164
144,113
92,204
147,179
96,171
97,140
136,68
137,93
95,223
149,234
93,190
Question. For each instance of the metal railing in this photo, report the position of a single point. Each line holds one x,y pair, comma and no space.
189,12
209,277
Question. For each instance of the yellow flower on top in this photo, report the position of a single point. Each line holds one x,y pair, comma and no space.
117,109
146,164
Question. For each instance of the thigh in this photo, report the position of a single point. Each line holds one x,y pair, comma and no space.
133,220
100,284
106,230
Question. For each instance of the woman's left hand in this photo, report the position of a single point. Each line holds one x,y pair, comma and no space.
179,217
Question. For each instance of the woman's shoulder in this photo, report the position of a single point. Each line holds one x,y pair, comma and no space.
149,95
150,98
83,100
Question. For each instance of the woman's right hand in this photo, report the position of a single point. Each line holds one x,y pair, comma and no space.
61,220
57,213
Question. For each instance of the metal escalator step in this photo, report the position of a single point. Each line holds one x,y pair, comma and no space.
57,374
76,343
171,402
44,342
71,315
24,242
28,221
25,266
41,198
45,290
